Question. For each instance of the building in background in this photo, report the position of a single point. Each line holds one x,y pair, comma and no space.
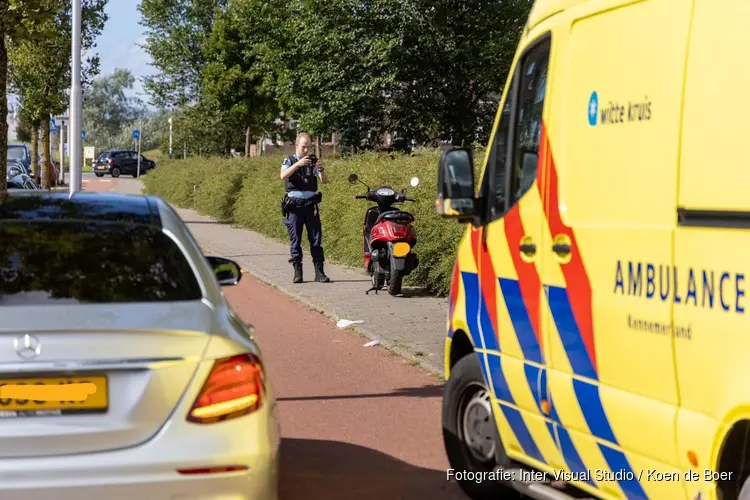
11,120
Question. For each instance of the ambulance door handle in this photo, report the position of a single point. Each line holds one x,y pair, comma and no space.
561,249
528,248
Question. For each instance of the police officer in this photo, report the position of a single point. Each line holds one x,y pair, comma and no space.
300,178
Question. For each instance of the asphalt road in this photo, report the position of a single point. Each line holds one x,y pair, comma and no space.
356,422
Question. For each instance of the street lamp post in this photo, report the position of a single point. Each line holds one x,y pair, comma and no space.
170,137
140,135
76,108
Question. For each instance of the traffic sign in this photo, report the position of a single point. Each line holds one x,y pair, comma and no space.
53,126
83,134
136,134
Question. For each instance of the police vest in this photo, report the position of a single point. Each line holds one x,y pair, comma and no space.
298,181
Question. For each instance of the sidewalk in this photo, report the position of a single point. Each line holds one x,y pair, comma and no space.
411,325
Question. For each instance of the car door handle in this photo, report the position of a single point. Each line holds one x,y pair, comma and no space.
561,248
528,248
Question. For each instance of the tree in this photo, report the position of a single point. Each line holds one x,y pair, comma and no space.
427,69
456,57
41,70
107,108
233,81
205,129
177,31
18,19
332,72
24,127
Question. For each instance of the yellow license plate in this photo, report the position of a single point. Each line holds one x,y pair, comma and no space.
59,395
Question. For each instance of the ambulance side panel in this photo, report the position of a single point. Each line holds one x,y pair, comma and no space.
612,154
712,242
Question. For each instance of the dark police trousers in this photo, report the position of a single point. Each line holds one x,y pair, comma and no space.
304,217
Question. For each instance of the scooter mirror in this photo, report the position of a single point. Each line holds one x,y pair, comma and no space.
353,179
414,181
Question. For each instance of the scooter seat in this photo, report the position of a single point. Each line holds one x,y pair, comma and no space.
396,215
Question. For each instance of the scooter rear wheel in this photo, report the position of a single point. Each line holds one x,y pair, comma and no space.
394,283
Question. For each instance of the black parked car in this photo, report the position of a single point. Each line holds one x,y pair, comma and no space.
22,153
121,161
16,167
17,176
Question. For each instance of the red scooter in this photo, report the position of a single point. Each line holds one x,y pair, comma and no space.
388,237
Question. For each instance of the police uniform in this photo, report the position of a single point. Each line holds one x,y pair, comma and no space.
302,212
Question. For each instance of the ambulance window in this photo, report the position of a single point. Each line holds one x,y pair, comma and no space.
498,155
501,147
529,122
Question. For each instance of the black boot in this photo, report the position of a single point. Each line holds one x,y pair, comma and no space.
320,276
297,273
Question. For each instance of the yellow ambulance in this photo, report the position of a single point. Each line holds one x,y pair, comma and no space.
598,337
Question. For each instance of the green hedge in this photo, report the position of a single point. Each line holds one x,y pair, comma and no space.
247,192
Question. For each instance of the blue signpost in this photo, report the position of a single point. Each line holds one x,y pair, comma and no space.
137,137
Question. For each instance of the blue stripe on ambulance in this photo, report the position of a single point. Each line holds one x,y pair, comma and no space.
514,417
588,394
471,288
499,382
567,326
537,378
519,316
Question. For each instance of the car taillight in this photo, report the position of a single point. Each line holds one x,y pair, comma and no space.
235,387
109,160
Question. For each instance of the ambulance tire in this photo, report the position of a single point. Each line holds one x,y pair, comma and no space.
745,491
465,380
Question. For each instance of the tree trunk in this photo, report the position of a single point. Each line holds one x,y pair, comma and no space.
318,149
3,113
247,142
46,160
35,149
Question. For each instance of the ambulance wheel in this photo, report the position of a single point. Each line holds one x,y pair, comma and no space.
745,491
470,434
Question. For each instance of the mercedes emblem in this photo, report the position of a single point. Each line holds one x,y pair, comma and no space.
27,346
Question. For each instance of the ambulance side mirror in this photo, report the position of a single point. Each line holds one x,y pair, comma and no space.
456,185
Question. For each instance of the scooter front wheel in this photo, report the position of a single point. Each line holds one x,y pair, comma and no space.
378,280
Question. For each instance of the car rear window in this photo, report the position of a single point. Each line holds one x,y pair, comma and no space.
16,153
82,262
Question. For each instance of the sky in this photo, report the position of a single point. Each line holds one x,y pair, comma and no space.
117,45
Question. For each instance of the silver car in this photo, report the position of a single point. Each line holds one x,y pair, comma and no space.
124,373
